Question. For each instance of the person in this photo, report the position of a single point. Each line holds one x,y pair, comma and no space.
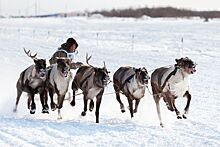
68,50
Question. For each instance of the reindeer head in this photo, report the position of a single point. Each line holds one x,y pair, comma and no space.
40,64
63,65
101,74
186,64
142,75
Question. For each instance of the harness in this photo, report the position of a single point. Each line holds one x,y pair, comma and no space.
168,77
48,77
81,83
128,80
22,78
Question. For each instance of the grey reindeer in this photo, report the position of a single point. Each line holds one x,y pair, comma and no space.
92,81
132,83
32,81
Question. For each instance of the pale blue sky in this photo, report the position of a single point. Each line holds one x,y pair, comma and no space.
30,7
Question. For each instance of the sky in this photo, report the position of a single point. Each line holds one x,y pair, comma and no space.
31,7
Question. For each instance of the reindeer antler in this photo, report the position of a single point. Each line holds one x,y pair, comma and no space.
104,65
87,59
106,68
29,54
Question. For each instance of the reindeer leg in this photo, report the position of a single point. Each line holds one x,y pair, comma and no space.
120,102
19,92
117,92
73,102
157,100
60,104
169,101
85,99
74,88
130,102
43,103
176,110
91,105
29,102
45,100
137,101
52,104
98,102
186,109
33,105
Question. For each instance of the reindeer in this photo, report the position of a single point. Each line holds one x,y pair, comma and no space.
172,82
32,80
58,79
92,81
131,82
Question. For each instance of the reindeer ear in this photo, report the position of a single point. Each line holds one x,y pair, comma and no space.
95,69
176,60
35,60
144,69
137,69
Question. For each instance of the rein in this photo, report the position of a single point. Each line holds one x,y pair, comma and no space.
159,94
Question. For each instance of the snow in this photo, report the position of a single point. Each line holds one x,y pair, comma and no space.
149,43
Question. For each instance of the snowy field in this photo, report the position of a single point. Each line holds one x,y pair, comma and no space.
150,43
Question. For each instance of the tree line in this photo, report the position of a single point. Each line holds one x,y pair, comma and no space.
158,12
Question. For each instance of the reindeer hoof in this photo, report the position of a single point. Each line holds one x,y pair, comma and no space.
184,116
83,113
91,105
59,117
171,109
32,111
53,107
161,124
179,117
90,109
123,111
45,111
73,103
46,107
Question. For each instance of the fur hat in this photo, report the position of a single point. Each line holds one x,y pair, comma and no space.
70,42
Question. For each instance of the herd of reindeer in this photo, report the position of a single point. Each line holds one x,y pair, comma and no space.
166,82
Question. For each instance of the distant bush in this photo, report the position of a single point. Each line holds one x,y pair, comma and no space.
158,12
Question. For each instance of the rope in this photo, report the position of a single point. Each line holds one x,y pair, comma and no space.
109,93
158,94
149,91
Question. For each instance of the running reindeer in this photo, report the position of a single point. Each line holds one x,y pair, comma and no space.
92,81
58,79
172,82
131,82
32,80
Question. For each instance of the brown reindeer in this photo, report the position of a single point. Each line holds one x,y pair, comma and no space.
32,80
132,82
172,82
92,81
